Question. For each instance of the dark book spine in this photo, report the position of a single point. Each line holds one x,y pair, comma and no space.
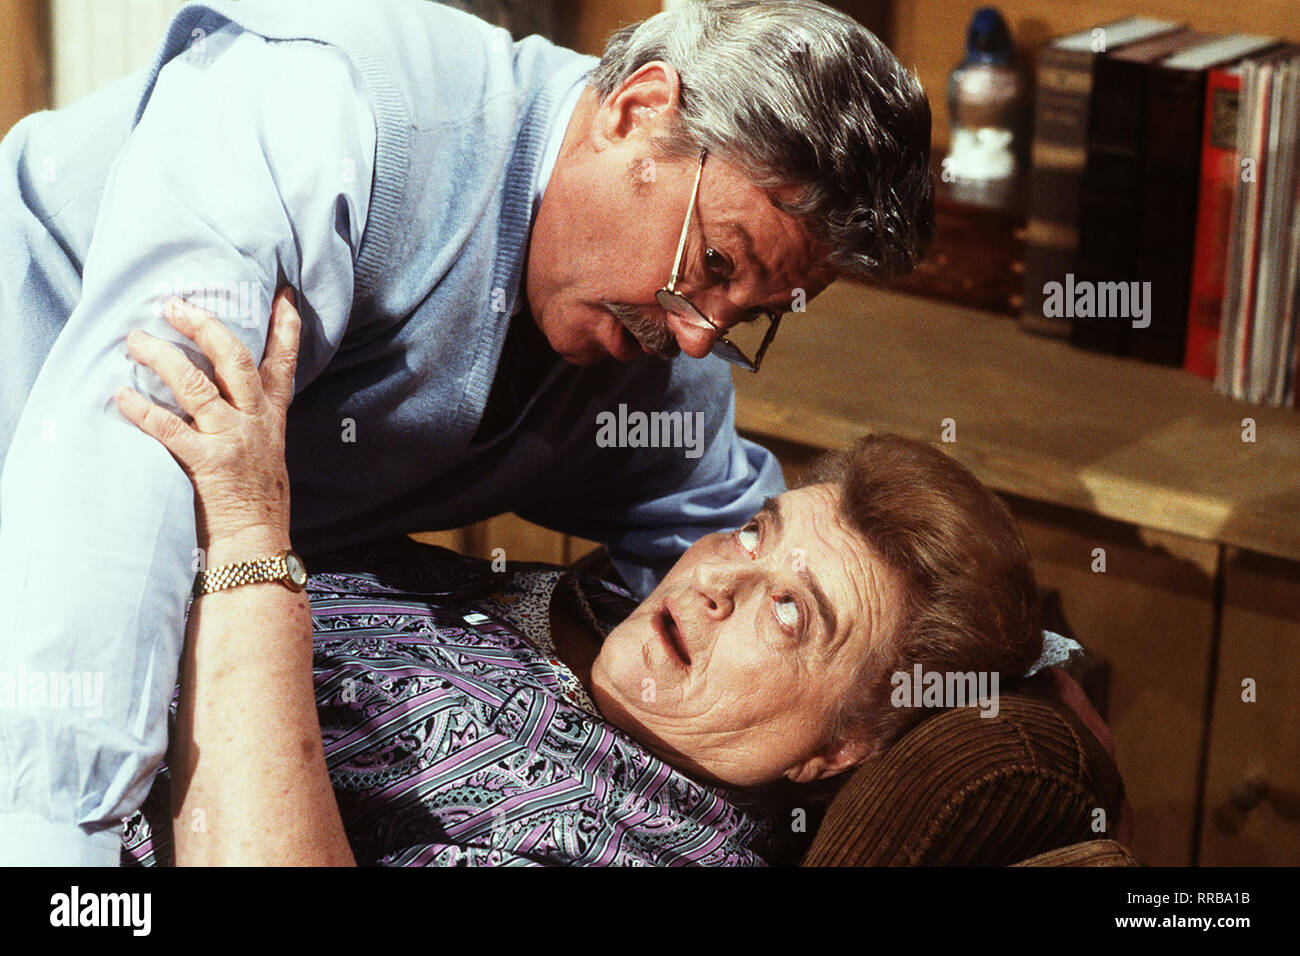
1063,91
1111,192
1167,232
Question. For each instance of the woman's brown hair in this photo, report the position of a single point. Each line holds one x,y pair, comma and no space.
971,600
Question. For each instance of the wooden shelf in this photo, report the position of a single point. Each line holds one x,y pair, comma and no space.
1143,444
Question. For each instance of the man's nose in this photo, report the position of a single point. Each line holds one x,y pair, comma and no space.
695,338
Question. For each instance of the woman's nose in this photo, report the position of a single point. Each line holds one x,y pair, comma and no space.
717,583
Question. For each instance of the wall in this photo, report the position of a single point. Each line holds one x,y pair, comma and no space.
24,61
929,35
587,24
96,41
590,22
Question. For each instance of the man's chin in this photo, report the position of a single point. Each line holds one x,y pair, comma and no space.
577,353
596,345
583,351
583,358
594,353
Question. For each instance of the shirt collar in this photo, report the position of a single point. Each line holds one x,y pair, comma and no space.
558,129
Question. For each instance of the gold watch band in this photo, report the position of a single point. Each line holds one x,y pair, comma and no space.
286,567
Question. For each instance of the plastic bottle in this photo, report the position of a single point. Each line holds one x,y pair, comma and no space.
986,104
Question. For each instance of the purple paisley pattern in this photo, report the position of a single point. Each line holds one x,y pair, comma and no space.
452,738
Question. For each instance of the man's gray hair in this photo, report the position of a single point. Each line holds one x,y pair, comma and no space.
796,93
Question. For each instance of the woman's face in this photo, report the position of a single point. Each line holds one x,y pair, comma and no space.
734,665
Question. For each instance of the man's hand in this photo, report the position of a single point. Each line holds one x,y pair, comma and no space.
233,452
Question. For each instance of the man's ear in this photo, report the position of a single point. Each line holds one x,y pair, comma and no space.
834,759
640,105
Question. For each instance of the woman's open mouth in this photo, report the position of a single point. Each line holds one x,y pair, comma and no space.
665,626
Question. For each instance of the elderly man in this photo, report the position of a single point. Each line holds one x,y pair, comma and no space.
472,227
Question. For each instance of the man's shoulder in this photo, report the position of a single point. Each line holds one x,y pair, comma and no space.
704,384
383,38
397,35
284,19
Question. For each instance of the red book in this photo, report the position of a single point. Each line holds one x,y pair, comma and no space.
1219,178
1220,182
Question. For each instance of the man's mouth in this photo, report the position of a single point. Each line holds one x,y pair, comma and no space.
620,344
665,626
653,338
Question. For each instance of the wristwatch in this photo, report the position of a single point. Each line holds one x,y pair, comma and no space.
286,567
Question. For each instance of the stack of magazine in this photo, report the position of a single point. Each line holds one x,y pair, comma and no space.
1257,354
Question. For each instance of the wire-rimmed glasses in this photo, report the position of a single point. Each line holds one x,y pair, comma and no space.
676,303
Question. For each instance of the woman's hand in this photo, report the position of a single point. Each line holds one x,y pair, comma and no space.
246,755
233,452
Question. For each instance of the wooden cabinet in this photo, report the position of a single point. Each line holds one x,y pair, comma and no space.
1252,786
1150,616
511,537
1199,526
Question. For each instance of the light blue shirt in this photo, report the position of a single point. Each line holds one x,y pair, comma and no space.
552,153
381,188
228,130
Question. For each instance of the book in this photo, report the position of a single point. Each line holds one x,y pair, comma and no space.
1175,109
1110,195
1271,366
1063,93
1220,173
1245,251
1289,195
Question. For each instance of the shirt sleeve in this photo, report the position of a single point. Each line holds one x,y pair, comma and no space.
658,501
250,168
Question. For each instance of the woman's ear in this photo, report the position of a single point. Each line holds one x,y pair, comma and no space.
835,759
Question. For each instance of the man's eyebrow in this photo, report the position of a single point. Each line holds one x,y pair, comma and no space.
772,509
738,229
747,241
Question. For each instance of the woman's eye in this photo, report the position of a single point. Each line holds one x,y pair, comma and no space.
715,261
787,612
748,537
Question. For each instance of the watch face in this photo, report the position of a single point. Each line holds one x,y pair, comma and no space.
297,570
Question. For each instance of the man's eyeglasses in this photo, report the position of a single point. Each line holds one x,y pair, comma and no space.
676,303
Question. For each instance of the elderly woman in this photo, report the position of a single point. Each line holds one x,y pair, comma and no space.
412,706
